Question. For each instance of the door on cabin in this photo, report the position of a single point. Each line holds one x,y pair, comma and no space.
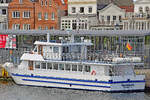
30,65
40,50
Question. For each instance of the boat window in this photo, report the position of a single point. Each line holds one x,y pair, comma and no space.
55,49
74,67
87,68
43,65
67,67
35,49
80,67
55,66
61,66
49,66
37,65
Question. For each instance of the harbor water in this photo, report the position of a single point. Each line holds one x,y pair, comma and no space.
11,91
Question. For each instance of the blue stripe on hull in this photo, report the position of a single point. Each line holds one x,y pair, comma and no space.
80,80
66,83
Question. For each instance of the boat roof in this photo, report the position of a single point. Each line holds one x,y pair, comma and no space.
61,44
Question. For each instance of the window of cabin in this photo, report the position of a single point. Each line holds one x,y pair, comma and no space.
56,50
74,67
49,65
80,67
37,65
43,65
87,68
67,67
55,66
61,66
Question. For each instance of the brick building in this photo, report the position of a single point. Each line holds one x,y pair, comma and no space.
37,14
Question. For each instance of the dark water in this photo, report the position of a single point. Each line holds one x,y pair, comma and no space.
14,92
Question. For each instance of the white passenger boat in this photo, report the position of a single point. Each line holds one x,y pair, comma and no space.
65,64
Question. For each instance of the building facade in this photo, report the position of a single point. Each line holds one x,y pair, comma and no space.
110,18
4,14
81,14
35,14
141,18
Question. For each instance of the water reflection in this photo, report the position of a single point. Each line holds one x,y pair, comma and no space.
14,92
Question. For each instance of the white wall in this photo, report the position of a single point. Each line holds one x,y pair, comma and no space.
82,3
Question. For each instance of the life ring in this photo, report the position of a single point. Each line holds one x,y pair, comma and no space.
93,72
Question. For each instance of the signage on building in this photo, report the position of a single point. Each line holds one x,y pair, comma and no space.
8,41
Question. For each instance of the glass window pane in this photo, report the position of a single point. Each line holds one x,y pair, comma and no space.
67,67
37,65
55,66
80,67
43,65
74,67
87,68
49,66
61,66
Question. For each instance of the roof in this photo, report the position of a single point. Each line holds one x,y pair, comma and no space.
117,2
61,44
79,33
32,57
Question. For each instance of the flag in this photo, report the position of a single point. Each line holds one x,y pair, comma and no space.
129,46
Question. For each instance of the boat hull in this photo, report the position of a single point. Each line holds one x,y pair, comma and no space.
106,83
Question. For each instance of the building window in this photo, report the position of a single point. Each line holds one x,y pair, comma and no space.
16,14
26,14
120,18
61,66
40,27
140,9
45,2
53,16
52,28
37,65
74,67
46,16
81,9
3,11
16,26
108,18
62,1
114,17
73,10
56,50
41,2
39,16
46,27
26,26
20,1
50,2
90,9
147,9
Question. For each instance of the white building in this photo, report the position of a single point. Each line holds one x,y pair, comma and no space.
110,17
81,14
141,18
82,7
4,15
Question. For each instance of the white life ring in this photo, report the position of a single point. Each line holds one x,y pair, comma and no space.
93,72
